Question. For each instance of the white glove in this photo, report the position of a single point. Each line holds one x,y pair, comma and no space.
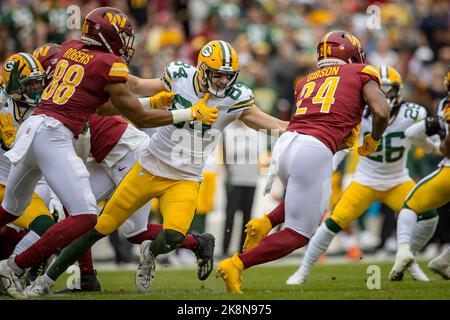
55,205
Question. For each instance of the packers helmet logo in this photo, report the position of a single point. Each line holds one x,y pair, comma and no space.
116,19
207,51
9,65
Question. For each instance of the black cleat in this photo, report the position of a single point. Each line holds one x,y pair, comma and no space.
204,254
88,283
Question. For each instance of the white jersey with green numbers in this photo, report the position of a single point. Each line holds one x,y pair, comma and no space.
440,111
386,167
180,151
18,115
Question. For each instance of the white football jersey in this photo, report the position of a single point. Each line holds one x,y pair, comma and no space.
440,111
180,151
386,167
19,115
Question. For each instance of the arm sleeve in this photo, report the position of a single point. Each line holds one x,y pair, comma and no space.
416,133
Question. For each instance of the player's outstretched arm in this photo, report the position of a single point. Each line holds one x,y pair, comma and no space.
378,106
254,118
145,87
129,106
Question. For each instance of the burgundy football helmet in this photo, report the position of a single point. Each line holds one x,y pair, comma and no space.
339,47
110,29
47,55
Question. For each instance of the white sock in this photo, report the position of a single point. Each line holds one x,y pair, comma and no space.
30,238
445,256
348,240
422,233
406,223
317,246
48,280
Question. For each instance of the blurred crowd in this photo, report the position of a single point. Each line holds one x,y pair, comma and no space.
275,39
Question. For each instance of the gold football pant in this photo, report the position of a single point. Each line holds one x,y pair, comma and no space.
357,198
207,192
35,209
177,200
431,192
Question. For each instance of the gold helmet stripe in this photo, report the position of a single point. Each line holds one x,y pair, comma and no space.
325,44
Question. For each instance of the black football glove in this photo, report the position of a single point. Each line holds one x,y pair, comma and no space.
13,85
435,125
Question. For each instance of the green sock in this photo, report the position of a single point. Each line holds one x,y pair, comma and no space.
165,242
41,224
72,253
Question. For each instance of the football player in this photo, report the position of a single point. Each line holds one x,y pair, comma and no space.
380,177
329,105
23,80
89,72
171,165
113,147
433,191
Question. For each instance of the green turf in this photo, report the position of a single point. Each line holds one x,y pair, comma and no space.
341,281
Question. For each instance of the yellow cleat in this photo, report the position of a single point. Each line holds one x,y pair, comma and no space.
256,230
230,270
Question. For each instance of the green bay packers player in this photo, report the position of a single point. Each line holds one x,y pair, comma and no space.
23,82
431,192
379,177
171,165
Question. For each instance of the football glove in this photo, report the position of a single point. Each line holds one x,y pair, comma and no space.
353,137
369,145
200,111
162,99
7,130
435,125
14,84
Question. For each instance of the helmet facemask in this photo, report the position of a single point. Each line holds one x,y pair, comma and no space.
213,87
31,90
392,91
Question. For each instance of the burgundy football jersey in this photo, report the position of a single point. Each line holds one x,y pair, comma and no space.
329,102
105,134
78,85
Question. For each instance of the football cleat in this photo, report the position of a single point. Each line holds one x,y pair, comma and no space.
10,282
403,259
296,279
37,288
204,254
440,266
88,283
256,230
230,270
417,273
146,269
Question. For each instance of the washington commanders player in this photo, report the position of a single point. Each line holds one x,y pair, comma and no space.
433,191
88,73
329,104
171,165
380,177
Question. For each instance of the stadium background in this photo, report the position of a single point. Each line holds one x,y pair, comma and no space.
276,43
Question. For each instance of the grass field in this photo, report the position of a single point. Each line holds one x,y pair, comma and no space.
340,281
